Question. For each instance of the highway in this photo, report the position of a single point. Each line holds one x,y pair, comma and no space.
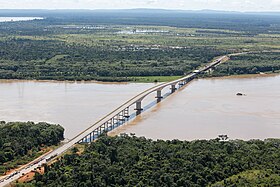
62,149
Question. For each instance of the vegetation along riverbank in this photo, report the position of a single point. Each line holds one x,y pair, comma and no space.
22,142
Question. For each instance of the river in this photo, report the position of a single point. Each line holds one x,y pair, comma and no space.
74,105
202,110
209,107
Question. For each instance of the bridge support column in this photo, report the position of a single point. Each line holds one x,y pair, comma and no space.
173,88
106,126
91,137
121,116
138,107
115,121
159,94
99,131
159,97
126,113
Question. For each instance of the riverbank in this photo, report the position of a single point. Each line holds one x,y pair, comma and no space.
108,80
145,79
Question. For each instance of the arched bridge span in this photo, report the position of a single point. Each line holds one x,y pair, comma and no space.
121,115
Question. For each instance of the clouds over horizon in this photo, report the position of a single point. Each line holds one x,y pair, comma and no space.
230,5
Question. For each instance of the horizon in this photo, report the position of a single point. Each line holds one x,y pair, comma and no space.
127,9
178,5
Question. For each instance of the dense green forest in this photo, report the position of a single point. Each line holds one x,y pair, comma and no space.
20,142
253,63
122,45
136,161
37,59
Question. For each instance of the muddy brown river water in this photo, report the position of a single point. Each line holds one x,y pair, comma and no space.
202,110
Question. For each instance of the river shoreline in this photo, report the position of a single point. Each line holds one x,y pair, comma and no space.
169,78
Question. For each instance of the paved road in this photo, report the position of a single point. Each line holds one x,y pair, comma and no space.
37,163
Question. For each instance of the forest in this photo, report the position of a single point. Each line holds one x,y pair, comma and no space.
253,63
37,59
126,45
136,161
22,142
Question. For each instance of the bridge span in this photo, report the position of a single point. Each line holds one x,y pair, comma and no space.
121,115
112,120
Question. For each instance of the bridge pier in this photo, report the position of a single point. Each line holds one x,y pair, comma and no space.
173,88
91,137
106,126
126,113
109,124
121,116
115,121
138,107
159,94
103,128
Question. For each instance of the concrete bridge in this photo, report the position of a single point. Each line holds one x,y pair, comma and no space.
121,114
112,120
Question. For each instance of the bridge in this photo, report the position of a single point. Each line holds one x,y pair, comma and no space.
114,119
121,114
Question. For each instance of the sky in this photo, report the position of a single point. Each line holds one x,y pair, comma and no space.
226,5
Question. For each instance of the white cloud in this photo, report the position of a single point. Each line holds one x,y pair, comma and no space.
237,5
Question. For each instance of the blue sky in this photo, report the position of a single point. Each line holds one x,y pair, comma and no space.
232,5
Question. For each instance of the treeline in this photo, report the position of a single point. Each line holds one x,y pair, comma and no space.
250,64
133,161
19,140
20,49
